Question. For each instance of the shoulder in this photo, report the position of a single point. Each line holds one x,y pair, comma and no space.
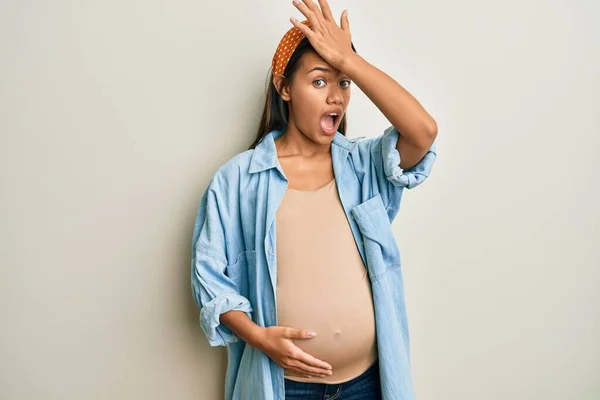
383,142
360,146
346,142
236,164
234,169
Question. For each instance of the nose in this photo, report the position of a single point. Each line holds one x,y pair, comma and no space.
335,95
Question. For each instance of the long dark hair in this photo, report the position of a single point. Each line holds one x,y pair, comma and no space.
276,113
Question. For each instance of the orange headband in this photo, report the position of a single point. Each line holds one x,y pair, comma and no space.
286,48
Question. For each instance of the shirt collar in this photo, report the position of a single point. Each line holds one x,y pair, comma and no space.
265,152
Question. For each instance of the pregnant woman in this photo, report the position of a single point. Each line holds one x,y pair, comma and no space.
294,265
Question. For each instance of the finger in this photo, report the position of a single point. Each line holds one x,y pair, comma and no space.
312,361
312,6
306,369
298,372
326,10
293,333
310,15
344,23
303,28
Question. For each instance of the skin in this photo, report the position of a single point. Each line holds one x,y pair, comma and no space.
417,128
304,150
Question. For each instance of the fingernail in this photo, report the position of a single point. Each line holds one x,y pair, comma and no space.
312,334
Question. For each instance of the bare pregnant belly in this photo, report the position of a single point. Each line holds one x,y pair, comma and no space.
345,327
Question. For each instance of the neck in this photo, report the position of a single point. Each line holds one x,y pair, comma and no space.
294,142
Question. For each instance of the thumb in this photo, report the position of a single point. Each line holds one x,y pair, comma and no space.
344,23
302,334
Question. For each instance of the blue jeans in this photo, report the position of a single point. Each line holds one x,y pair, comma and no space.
364,387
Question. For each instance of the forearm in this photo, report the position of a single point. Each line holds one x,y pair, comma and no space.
403,111
242,326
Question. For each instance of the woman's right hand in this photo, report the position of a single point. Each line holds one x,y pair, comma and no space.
276,342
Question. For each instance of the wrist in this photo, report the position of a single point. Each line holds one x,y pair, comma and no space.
255,336
350,63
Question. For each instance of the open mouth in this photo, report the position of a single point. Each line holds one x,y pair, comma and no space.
329,122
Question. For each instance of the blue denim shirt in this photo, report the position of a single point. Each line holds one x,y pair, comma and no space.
234,253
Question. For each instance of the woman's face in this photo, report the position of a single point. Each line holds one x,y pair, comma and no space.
318,97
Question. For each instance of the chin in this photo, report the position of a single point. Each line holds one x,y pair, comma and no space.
324,137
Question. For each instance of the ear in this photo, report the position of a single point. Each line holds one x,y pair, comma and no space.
283,88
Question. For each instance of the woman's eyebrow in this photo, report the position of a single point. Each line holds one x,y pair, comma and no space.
323,69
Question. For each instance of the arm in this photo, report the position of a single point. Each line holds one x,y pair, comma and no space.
214,291
277,343
417,128
225,314
243,327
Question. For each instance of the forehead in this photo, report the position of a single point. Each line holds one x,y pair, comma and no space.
311,59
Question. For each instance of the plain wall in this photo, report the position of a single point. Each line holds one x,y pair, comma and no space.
115,114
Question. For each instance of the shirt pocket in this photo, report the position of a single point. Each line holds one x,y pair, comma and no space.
381,249
238,272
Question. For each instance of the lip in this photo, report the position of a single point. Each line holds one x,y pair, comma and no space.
337,111
336,124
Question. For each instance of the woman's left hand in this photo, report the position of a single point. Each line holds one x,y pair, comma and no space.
329,40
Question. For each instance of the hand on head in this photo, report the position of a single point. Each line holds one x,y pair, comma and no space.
332,42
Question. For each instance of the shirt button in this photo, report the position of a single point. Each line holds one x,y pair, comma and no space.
271,250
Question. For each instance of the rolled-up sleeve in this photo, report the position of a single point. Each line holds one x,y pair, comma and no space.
380,161
215,293
408,178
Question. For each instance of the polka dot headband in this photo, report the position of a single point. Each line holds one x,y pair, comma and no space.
286,48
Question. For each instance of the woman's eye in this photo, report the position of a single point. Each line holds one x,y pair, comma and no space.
319,80
345,84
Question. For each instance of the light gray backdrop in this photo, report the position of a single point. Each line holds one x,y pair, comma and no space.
115,114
